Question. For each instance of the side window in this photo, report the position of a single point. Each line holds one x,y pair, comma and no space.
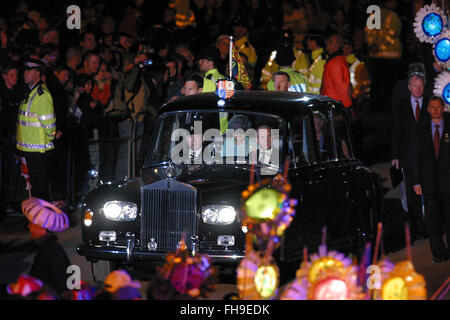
301,140
343,146
324,137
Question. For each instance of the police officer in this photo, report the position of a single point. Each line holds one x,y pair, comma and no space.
359,76
300,64
36,129
207,64
285,57
315,44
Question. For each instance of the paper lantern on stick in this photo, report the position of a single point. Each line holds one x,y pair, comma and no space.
257,277
266,213
267,208
329,276
404,283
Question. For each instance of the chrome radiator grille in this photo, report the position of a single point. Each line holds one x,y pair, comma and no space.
169,211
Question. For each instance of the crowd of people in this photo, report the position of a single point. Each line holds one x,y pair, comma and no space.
129,58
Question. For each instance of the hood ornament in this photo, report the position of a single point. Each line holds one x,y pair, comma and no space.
170,170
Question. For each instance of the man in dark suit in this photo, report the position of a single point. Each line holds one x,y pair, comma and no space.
401,90
432,177
267,152
408,115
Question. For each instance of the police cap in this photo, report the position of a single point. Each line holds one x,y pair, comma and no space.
210,53
34,64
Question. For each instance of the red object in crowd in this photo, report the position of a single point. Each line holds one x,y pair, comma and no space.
24,172
336,81
417,111
24,286
437,141
101,95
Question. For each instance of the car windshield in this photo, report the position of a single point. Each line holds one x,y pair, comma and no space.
213,137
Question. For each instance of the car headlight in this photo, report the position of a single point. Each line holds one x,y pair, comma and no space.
217,214
120,210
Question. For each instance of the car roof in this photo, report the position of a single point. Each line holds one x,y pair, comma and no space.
284,104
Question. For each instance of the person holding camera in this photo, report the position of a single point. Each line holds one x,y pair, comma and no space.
139,100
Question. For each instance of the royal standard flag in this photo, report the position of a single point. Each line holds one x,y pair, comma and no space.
238,71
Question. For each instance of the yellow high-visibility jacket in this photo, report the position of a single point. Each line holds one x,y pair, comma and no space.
36,123
298,82
210,79
244,46
359,77
315,71
301,63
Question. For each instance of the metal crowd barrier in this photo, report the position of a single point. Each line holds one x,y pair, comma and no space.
117,150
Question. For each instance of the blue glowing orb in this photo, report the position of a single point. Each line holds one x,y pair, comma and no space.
432,24
442,50
446,94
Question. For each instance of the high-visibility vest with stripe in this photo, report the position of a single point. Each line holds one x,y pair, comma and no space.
210,79
209,85
315,72
298,82
301,63
359,76
36,123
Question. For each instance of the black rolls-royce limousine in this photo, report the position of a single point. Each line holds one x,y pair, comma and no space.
199,161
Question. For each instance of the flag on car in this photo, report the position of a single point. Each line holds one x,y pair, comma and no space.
238,68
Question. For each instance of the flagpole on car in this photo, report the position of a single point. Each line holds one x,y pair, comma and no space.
230,55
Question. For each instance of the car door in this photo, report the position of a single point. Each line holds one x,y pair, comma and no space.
342,220
310,185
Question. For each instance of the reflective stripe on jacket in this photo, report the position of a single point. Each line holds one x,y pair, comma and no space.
210,79
298,82
315,72
36,123
301,63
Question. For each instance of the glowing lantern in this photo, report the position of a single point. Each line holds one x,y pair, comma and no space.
404,283
266,281
429,23
328,276
442,49
432,24
257,279
263,204
395,289
331,289
442,86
